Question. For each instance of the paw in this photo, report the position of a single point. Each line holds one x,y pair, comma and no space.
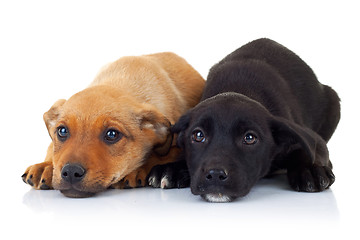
312,179
135,179
170,175
39,176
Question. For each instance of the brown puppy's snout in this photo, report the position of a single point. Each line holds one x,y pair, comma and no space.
73,173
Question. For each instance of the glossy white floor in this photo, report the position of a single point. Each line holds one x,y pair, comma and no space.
52,50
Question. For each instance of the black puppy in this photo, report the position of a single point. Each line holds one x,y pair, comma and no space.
262,110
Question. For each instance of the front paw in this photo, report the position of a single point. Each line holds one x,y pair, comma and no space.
39,176
135,179
311,179
170,175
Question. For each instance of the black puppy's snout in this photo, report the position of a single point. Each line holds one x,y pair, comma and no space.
72,173
215,175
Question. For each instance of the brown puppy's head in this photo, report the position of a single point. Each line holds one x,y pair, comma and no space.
100,135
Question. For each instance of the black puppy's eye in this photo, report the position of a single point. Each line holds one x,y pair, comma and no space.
198,136
250,139
112,136
62,133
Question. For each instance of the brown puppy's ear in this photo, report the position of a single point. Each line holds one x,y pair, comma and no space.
304,146
51,116
180,126
152,120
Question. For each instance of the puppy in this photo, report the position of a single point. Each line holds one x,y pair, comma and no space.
112,133
262,110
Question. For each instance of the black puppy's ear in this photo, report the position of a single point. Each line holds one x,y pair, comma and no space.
180,126
304,146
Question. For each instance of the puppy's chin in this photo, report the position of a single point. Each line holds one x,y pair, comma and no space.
217,197
72,193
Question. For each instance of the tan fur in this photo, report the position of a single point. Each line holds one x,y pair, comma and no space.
138,96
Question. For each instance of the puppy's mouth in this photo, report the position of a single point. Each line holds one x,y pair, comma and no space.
217,194
220,191
217,197
78,190
73,193
84,188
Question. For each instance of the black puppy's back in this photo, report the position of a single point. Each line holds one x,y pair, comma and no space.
292,89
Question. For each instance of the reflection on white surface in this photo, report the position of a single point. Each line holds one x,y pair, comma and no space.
271,200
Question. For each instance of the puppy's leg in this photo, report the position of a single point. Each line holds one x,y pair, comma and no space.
314,177
134,179
306,156
39,176
170,175
311,179
138,178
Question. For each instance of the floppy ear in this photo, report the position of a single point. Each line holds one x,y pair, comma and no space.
50,117
302,145
180,126
152,120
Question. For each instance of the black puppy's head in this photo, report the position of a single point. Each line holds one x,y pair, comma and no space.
229,142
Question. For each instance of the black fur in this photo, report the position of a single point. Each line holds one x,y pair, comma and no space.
265,95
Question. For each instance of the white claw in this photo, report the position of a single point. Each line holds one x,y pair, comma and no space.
164,182
151,181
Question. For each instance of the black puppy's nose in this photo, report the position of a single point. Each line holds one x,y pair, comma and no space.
73,173
214,175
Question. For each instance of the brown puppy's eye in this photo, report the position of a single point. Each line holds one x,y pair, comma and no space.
62,133
250,139
198,136
112,136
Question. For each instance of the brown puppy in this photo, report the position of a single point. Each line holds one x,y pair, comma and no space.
112,133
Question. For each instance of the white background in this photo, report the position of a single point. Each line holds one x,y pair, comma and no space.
53,49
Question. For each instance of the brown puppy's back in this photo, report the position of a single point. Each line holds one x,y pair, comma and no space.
186,78
171,78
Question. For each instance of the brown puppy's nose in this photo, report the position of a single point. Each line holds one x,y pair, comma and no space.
216,175
73,173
